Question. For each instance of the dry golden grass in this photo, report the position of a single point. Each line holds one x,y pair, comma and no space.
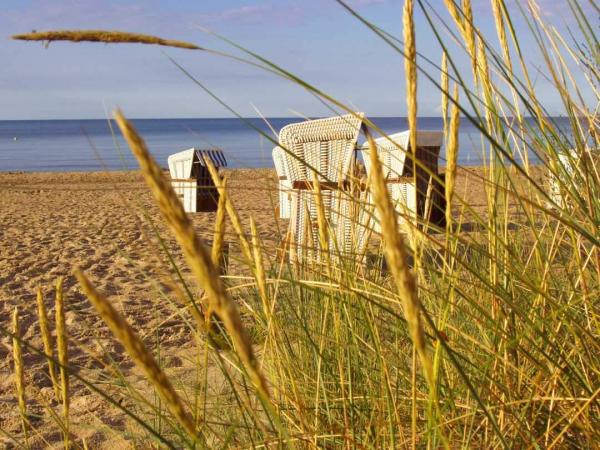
444,81
469,34
139,353
397,258
110,37
195,252
454,12
410,67
321,218
499,20
452,156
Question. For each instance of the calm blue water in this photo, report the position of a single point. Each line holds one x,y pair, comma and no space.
86,145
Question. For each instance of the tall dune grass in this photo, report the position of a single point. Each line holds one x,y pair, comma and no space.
491,343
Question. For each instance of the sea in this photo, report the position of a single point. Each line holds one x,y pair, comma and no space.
92,145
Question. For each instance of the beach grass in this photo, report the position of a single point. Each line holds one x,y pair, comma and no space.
482,333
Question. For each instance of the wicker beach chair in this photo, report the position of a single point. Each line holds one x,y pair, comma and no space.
325,148
413,201
285,186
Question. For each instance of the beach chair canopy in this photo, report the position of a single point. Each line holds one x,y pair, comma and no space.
394,148
184,165
325,145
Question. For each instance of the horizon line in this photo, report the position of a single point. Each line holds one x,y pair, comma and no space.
242,118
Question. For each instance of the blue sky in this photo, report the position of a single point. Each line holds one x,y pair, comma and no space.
315,39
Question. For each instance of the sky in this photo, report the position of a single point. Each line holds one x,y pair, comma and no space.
317,40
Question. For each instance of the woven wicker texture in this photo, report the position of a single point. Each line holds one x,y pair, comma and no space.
326,145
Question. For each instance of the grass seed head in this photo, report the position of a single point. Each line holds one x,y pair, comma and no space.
19,371
109,37
47,341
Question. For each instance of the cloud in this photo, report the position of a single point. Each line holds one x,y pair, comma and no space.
546,8
152,16
267,14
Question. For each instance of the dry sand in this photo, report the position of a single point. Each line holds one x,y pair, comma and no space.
52,222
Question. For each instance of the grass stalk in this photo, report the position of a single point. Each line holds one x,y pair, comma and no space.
63,356
48,342
19,374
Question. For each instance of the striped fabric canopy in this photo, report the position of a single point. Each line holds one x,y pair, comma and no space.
216,156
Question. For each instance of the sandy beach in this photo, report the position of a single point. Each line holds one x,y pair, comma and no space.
100,222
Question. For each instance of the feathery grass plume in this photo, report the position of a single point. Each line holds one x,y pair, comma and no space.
486,84
196,254
454,12
452,156
394,248
482,65
469,34
47,341
216,252
110,37
410,68
19,373
445,93
497,9
139,353
499,20
63,357
219,234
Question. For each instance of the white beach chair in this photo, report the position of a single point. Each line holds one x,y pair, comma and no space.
285,185
571,170
394,152
192,182
325,147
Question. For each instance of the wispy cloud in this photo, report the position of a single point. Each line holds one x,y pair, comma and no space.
363,3
263,13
